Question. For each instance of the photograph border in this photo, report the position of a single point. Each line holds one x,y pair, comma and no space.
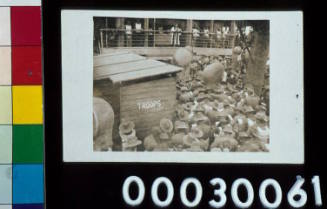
286,94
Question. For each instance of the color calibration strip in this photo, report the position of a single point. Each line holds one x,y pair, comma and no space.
21,113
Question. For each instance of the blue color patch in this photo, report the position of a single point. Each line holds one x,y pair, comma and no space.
28,206
28,184
5,184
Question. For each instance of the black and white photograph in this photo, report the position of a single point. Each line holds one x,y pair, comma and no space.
180,85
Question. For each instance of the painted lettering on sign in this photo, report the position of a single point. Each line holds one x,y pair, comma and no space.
150,106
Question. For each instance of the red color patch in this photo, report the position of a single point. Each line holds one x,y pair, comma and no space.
25,26
26,65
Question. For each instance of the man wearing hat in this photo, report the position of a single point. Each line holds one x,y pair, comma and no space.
228,130
194,139
227,142
199,116
126,128
186,96
243,136
252,146
205,127
260,130
152,140
201,96
181,128
219,114
183,115
165,142
166,125
128,136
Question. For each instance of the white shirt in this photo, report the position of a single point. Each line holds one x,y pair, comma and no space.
128,29
138,27
196,32
225,31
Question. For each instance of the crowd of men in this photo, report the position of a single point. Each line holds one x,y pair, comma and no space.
221,37
216,110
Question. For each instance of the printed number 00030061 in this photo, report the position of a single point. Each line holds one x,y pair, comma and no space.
296,196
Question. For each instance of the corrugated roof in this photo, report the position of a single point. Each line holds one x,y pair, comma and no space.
119,67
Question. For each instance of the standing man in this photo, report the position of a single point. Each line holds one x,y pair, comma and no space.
195,36
237,40
128,34
206,37
218,38
138,31
225,33
172,35
249,36
176,33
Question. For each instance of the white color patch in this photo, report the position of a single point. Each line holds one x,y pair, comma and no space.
20,2
5,35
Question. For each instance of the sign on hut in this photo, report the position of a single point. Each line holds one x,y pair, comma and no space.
139,89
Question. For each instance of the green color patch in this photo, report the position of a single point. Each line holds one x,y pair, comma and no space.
27,144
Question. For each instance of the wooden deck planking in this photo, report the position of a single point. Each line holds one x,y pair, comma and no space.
111,54
107,70
120,58
160,70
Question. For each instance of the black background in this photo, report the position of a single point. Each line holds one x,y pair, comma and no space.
99,185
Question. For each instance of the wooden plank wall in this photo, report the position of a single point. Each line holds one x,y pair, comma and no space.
125,101
145,93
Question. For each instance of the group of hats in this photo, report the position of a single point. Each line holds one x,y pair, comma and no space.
175,136
160,137
223,104
222,101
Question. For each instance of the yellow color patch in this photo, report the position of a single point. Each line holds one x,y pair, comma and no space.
27,105
5,105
